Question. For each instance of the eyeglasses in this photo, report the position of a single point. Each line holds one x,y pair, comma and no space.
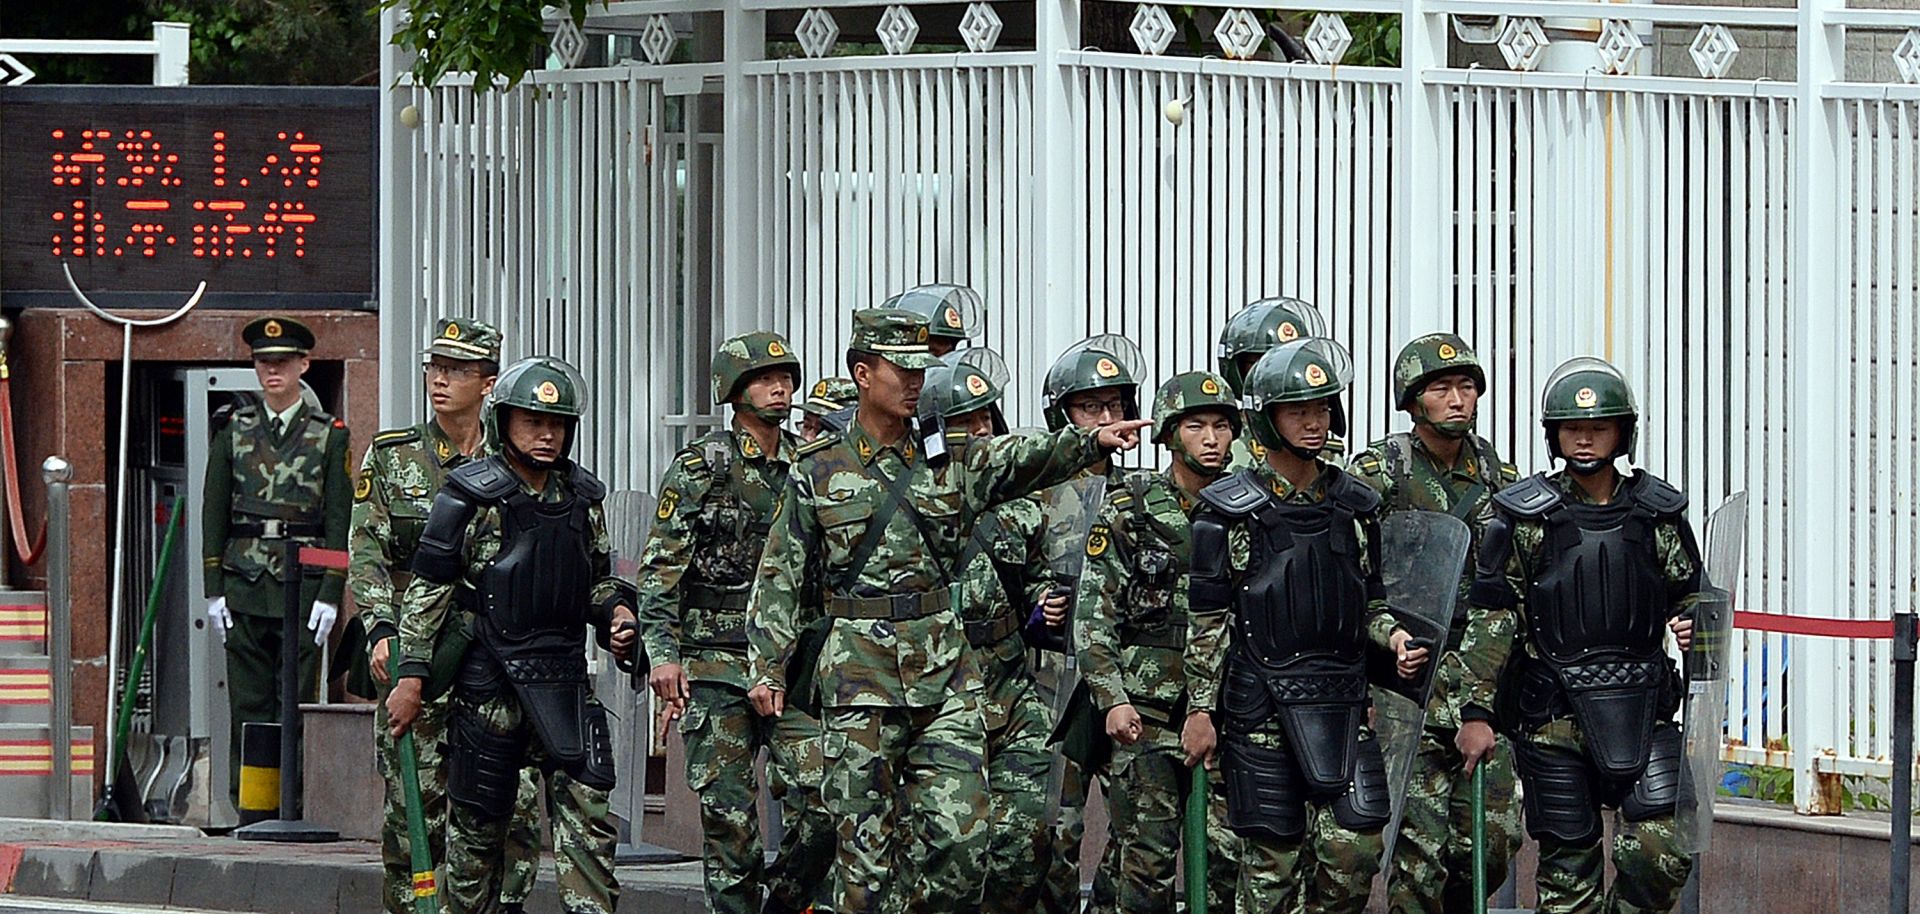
1093,409
451,372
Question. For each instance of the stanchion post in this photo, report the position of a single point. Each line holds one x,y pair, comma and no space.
1901,837
57,473
289,826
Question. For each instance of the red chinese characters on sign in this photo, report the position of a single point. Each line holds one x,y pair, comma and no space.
215,205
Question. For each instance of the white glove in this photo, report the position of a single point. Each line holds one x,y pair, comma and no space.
320,622
218,615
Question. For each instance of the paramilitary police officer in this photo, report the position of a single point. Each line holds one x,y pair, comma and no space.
952,314
277,470
1441,465
716,504
1131,620
1249,333
1286,559
524,531
873,525
399,477
829,397
1000,581
1095,381
1599,565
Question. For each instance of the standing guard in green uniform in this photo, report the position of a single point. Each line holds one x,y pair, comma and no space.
277,470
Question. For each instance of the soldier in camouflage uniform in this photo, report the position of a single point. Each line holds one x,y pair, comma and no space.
1441,465
399,477
1095,381
1249,333
952,314
1598,566
277,469
524,533
1131,632
829,397
999,583
716,503
1285,589
870,530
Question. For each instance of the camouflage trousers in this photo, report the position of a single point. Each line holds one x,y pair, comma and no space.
1018,763
723,735
1061,892
1433,857
1146,809
1650,865
429,741
583,829
908,791
1328,870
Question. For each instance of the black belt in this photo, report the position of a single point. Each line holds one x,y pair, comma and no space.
273,528
991,631
702,597
1162,636
899,607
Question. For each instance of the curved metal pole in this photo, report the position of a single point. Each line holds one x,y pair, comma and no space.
117,599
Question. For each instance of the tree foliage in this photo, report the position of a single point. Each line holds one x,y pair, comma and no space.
495,40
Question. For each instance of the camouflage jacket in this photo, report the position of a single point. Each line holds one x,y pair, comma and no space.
1209,633
399,477
1673,541
716,503
302,477
839,484
428,606
1002,576
1410,478
1131,628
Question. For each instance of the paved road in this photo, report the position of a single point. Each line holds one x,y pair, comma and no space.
12,904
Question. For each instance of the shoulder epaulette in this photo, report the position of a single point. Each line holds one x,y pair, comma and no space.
1509,472
1530,497
826,440
396,437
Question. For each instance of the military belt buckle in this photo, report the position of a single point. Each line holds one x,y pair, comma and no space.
273,528
903,606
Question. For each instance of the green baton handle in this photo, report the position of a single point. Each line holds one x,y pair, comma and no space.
1198,800
1480,837
425,891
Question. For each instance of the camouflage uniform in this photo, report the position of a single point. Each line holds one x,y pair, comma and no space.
583,829
1650,863
1433,856
701,556
1131,634
905,738
399,476
259,477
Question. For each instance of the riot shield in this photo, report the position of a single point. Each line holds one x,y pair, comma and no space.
1704,716
1423,556
629,519
1071,509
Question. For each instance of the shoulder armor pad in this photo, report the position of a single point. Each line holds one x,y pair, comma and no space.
396,437
826,440
1530,497
483,480
1351,493
1658,495
1237,495
585,484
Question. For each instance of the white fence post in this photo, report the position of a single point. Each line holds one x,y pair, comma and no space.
1818,550
1056,119
742,307
172,42
398,272
1422,284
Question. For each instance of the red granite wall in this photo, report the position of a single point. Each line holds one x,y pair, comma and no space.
59,361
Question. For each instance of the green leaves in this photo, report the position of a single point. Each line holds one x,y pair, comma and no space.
498,41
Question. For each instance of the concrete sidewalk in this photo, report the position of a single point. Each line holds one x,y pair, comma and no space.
181,867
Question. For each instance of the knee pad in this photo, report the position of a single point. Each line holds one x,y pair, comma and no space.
1558,793
1366,806
483,767
1657,790
1266,794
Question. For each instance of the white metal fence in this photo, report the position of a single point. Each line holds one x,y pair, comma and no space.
1745,250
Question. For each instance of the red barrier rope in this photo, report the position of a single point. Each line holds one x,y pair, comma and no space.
28,555
1782,624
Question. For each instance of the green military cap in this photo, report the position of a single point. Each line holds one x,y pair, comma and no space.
829,396
464,339
276,336
894,334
